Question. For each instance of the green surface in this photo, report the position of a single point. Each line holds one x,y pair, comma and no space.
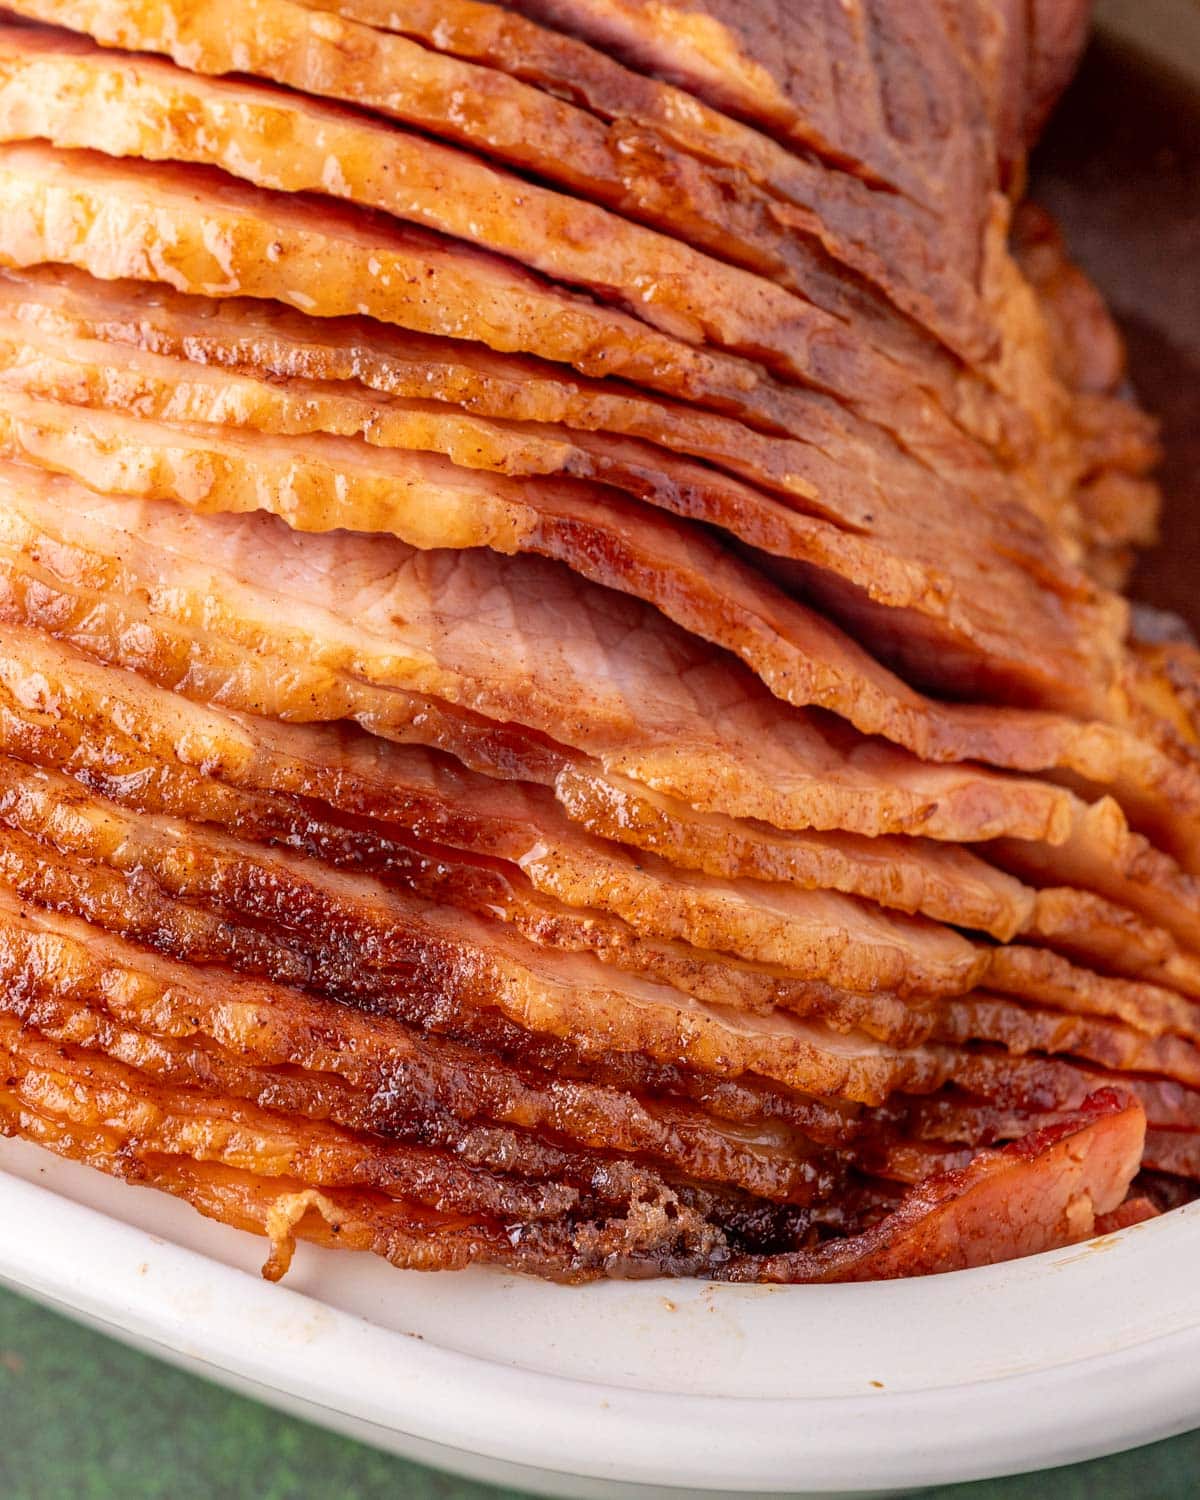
82,1418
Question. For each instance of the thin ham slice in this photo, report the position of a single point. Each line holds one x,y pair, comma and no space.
210,234
1103,855
80,96
102,1113
885,238
320,483
818,936
363,613
75,983
1050,979
1043,1192
840,473
1093,930
52,698
1039,1193
897,586
173,755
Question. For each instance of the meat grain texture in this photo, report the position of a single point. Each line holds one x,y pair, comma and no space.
565,697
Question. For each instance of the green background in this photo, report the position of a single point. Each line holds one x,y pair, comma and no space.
83,1419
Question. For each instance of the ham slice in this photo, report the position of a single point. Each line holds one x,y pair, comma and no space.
847,218
598,798
878,554
1101,854
1096,931
290,248
810,935
1034,974
75,96
231,877
840,473
1174,1151
241,579
320,483
82,988
563,699
169,754
795,652
1035,1195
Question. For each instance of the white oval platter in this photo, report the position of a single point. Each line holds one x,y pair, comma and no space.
641,1388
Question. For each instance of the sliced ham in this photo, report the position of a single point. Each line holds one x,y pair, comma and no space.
252,581
414,960
172,755
322,483
1037,1194
102,1113
811,935
1101,854
284,246
564,699
52,698
878,554
1173,1151
1050,979
1043,1192
78,96
886,239
832,96
1111,1045
201,231
82,988
1096,931
638,172
841,473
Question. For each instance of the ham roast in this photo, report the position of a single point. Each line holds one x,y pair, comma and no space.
566,700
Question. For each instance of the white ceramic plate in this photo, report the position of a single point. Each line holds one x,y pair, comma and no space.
641,1387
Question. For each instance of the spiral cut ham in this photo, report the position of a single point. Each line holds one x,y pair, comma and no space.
565,701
